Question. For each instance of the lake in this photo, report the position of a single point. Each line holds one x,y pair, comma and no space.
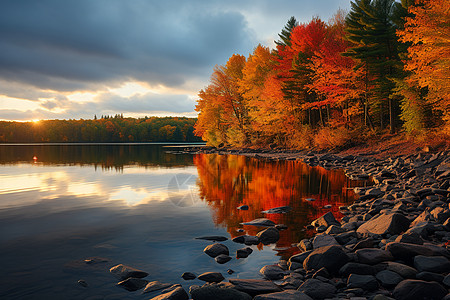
138,205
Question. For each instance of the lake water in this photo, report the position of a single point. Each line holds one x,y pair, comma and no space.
138,205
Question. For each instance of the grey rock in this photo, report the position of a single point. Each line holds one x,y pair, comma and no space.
440,214
216,250
372,256
83,283
365,243
269,236
211,277
222,258
215,238
243,207
334,229
188,276
410,237
401,269
255,287
430,276
327,220
435,264
406,252
367,282
244,252
317,289
331,257
299,258
394,223
345,237
356,268
155,286
285,295
246,239
278,210
446,280
272,272
305,245
177,294
220,291
260,222
123,272
388,279
323,240
419,289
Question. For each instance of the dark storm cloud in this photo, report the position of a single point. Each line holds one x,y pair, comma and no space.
70,45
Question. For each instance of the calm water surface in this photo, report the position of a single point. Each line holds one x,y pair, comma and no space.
140,206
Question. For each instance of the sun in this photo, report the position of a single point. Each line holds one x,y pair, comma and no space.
35,121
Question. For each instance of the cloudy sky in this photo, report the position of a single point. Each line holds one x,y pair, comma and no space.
62,59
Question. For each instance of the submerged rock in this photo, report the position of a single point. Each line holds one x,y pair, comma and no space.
123,272
278,210
188,276
260,222
222,258
211,277
133,284
216,250
215,238
269,236
155,286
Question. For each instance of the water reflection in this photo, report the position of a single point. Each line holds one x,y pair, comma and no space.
226,182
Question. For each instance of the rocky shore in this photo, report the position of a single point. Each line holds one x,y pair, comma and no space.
392,243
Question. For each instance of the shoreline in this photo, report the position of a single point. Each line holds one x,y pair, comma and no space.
392,240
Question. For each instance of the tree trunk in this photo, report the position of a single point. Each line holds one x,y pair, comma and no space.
391,117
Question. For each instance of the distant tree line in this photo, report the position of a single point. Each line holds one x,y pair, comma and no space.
101,130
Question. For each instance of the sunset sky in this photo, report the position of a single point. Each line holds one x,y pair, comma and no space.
75,58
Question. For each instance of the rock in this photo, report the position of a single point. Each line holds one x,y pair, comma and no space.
230,271
305,245
410,237
323,240
365,243
243,207
221,291
299,258
385,224
268,236
188,276
388,279
123,272
430,276
406,252
286,295
418,289
278,210
260,222
177,294
214,238
83,283
246,239
401,269
317,289
331,257
216,249
423,217
345,237
440,214
435,264
323,272
255,287
334,229
327,220
155,286
211,277
222,258
281,227
367,282
244,252
321,228
373,256
446,280
356,268
272,272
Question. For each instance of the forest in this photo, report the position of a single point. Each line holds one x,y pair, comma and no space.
381,68
106,129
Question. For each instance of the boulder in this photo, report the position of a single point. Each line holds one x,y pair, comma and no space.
430,276
366,282
216,250
323,240
446,281
211,277
263,222
419,289
177,294
123,272
388,279
218,291
255,287
188,276
327,220
440,214
410,237
401,269
406,252
330,257
286,295
345,237
356,268
393,223
244,252
305,245
435,264
272,272
155,286
373,256
222,258
269,236
278,210
246,239
334,229
133,284
317,289
299,258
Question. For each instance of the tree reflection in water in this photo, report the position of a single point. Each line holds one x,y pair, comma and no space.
228,181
